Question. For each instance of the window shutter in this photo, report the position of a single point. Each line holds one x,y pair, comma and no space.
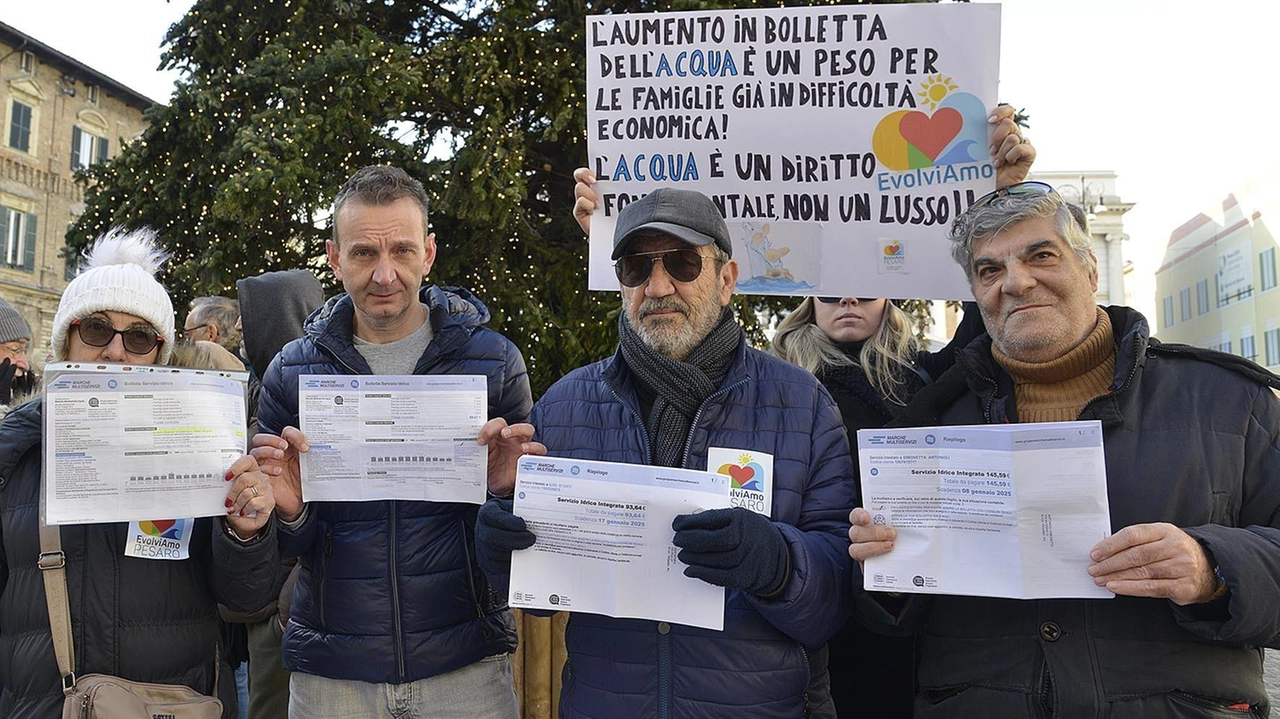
29,262
76,132
102,150
20,127
4,235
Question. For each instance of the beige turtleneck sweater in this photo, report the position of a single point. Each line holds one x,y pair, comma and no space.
1057,390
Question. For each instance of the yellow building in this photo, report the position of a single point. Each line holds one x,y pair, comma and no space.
59,116
1217,284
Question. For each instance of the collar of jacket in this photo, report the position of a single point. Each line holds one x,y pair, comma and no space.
978,372
454,313
22,431
619,378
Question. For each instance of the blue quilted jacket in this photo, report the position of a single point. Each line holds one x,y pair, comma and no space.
390,591
759,666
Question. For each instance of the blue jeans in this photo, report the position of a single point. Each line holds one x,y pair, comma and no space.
484,690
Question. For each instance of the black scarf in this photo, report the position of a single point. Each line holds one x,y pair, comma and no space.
678,388
861,405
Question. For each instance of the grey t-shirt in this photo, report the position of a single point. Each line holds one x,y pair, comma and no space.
399,357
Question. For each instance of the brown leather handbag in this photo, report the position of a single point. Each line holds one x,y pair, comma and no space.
101,696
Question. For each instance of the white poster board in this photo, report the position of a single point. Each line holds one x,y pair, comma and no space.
839,142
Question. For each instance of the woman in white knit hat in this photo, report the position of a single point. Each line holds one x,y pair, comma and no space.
143,619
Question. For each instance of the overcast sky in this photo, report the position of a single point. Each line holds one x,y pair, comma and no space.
1179,98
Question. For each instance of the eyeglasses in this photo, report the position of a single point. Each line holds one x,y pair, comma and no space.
97,332
684,265
186,331
836,300
1020,188
17,348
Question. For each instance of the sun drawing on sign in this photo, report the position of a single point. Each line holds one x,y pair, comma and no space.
744,459
935,89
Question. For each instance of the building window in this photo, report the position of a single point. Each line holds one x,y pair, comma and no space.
20,127
1168,311
1202,297
92,92
86,149
1272,338
1247,349
18,239
1268,262
27,63
1184,301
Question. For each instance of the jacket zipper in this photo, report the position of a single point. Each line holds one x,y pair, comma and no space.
471,580
324,573
1046,689
808,677
395,595
664,676
664,640
693,426
1133,370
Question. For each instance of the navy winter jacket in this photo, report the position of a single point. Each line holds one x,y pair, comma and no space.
759,665
1191,437
390,591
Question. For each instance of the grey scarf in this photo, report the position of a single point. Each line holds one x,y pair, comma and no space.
680,388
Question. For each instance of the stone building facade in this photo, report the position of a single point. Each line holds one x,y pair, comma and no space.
59,115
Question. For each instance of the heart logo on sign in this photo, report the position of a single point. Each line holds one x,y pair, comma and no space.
163,525
747,475
930,135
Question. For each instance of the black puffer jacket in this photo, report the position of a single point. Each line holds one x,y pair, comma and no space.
1190,438
140,619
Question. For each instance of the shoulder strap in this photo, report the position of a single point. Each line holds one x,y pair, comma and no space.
53,567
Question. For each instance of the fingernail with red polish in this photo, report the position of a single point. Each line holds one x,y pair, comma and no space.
229,503
229,475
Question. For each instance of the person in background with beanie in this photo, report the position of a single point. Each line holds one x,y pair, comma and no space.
16,378
146,620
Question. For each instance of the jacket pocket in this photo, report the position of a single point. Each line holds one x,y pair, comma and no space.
968,701
1185,704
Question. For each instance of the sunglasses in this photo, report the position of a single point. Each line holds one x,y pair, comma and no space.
186,331
682,265
97,332
1021,188
836,300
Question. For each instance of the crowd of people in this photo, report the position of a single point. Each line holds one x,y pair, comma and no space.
399,608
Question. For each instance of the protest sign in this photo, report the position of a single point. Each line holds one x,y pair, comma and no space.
840,142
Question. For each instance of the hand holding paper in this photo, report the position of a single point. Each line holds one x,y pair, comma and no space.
506,445
734,548
1154,560
1011,154
278,458
868,540
250,498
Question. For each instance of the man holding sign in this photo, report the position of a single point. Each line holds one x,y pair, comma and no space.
1192,459
390,614
685,390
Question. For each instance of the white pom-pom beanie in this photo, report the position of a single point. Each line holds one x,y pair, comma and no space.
118,276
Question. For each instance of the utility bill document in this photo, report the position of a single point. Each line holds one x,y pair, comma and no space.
376,437
987,510
604,540
126,443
